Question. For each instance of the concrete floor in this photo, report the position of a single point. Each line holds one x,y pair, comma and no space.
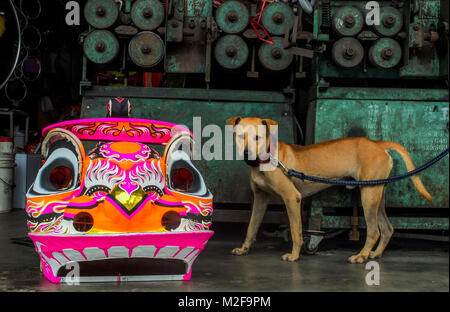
408,265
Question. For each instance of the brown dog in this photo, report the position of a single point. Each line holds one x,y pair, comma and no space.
357,158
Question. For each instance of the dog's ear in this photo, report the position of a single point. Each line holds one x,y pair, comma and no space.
269,122
272,144
233,121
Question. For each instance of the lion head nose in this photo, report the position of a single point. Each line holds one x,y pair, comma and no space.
127,199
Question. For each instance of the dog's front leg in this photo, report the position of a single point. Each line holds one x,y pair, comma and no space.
260,202
293,199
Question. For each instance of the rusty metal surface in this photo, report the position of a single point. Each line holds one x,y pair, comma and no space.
198,8
347,52
101,14
146,49
275,57
101,46
186,58
126,30
385,53
231,51
347,21
147,14
188,24
232,17
391,22
277,17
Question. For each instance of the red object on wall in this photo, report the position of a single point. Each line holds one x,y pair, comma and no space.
151,80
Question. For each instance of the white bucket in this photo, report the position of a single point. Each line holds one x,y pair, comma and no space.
6,145
6,174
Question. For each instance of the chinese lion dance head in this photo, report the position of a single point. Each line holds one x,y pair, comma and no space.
121,211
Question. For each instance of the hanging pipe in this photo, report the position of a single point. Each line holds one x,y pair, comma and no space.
19,37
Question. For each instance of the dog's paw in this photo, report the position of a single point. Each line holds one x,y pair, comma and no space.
240,251
357,259
289,257
374,255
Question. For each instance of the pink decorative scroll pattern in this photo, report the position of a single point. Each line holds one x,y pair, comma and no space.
119,129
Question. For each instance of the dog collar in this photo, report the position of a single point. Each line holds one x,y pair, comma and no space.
268,159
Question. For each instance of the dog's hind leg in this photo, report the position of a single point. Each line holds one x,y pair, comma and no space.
259,207
371,199
386,230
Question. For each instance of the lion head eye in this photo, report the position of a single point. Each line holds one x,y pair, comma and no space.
60,172
182,176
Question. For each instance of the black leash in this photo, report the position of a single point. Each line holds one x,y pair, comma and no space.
302,176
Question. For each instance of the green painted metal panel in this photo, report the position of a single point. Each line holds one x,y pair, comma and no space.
227,179
327,68
420,125
198,8
404,223
383,93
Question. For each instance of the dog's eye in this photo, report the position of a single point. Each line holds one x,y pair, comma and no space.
257,138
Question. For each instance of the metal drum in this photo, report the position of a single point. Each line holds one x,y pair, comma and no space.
385,53
146,49
347,21
391,22
101,46
276,17
232,17
147,14
101,13
231,51
275,57
347,52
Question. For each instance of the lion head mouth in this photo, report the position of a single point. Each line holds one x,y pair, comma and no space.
140,256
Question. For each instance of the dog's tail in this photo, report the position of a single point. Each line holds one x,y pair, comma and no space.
409,166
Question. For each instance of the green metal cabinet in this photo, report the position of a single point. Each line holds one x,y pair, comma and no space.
415,118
